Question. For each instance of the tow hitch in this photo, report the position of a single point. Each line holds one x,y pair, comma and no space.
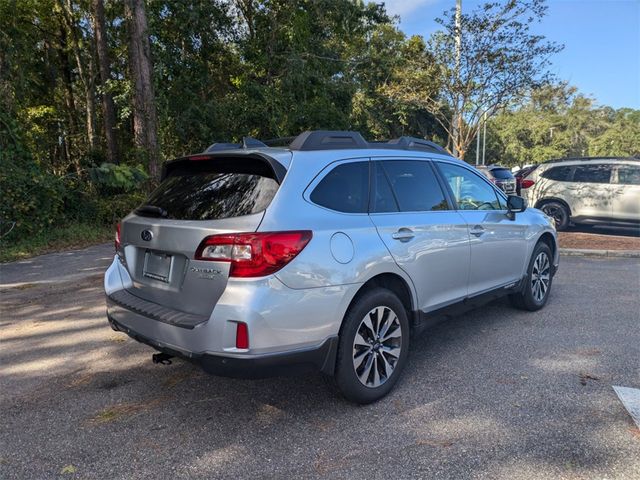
162,358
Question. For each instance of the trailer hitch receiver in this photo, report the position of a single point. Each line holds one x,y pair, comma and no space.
162,358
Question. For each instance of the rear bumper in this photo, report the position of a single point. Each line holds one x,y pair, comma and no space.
290,330
321,358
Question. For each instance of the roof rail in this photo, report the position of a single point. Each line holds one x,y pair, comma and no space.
327,140
586,159
247,142
333,140
413,143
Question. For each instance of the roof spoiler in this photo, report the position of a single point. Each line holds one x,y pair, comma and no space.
247,143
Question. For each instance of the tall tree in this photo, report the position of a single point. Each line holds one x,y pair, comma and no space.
85,73
68,137
499,60
145,123
104,67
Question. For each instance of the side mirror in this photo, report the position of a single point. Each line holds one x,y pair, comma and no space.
515,205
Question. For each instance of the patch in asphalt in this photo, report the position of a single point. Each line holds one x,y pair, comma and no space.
630,398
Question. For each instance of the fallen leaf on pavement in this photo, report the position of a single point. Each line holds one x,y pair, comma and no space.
68,469
585,376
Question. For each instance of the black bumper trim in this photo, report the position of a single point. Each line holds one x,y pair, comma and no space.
321,358
160,313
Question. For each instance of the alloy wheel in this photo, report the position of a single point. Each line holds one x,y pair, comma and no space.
377,346
555,212
540,276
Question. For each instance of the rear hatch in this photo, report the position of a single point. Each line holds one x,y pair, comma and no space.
198,196
504,179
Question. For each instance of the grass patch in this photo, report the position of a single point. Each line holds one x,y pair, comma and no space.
124,410
116,412
76,235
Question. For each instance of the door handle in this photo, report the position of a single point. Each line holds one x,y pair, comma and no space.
477,230
403,234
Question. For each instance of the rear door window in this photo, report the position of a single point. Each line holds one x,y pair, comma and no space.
344,189
413,186
384,200
559,174
213,189
592,173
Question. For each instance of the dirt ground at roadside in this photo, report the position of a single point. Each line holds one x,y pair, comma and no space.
595,241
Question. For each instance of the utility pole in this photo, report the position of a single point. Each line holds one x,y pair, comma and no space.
484,137
478,147
457,121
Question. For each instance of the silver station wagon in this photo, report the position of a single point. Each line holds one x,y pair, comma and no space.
326,255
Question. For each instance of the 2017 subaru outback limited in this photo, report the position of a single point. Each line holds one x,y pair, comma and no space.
327,254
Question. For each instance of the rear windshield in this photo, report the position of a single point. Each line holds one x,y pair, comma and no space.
501,173
213,189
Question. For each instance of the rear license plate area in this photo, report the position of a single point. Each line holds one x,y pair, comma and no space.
157,266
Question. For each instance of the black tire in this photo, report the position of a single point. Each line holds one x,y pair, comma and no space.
529,298
347,377
559,212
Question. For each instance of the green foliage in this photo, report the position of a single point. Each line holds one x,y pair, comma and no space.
32,199
35,202
557,121
56,237
265,68
621,137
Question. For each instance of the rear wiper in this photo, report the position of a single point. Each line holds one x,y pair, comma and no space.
152,209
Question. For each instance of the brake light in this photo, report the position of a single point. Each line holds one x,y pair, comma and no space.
254,254
117,238
526,183
242,335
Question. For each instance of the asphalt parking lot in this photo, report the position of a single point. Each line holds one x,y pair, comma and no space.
495,393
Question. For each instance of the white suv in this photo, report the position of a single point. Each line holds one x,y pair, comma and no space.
586,190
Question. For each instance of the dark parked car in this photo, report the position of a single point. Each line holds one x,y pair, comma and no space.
500,176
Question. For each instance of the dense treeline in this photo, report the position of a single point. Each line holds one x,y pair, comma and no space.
95,94
557,121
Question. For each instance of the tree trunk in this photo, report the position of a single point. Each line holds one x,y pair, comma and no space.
145,124
104,67
70,102
85,78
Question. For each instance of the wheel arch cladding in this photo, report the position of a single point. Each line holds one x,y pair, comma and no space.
548,239
395,284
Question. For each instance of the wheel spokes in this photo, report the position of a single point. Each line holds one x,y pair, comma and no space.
377,346
540,276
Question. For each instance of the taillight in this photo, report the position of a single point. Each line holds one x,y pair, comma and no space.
117,239
526,183
242,335
253,254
